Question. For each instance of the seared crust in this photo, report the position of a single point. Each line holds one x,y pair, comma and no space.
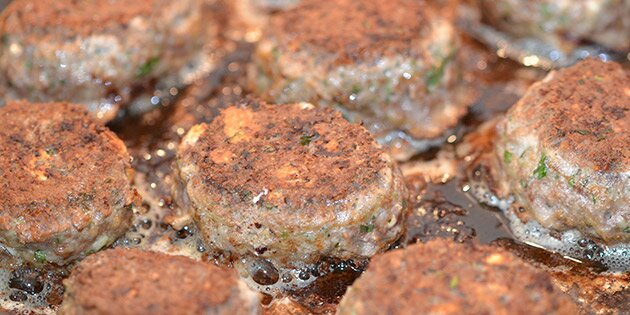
353,29
582,111
564,150
43,16
443,277
290,183
338,159
63,175
130,281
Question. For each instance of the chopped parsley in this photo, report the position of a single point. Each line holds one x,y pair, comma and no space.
147,67
541,171
356,89
306,139
435,74
571,181
626,229
40,256
51,150
454,282
507,156
367,228
583,132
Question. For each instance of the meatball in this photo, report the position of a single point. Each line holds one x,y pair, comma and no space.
563,22
444,277
65,181
131,281
290,183
99,53
391,64
563,149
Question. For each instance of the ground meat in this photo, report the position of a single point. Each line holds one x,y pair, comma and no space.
564,150
290,183
131,281
564,23
391,64
99,52
444,277
65,182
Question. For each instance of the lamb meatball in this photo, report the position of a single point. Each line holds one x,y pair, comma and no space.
443,277
391,64
98,52
131,281
290,183
65,181
564,150
605,22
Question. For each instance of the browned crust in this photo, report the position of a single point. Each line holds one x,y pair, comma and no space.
583,112
443,277
79,17
131,281
60,168
352,29
273,153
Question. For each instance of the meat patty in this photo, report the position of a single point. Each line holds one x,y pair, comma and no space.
564,150
98,52
391,64
444,277
65,182
131,281
290,183
605,22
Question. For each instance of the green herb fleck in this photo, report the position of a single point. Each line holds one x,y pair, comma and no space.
523,183
454,282
580,82
40,257
507,156
598,78
147,67
284,234
541,171
306,139
626,229
356,89
571,181
367,228
51,150
583,132
435,74
594,198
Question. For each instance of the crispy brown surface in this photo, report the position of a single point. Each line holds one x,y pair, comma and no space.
352,28
131,281
443,277
60,169
306,156
80,17
598,139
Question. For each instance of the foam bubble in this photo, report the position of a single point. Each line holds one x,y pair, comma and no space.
571,243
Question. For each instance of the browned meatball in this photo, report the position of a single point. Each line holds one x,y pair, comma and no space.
390,64
290,183
564,150
100,53
444,277
65,181
131,281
